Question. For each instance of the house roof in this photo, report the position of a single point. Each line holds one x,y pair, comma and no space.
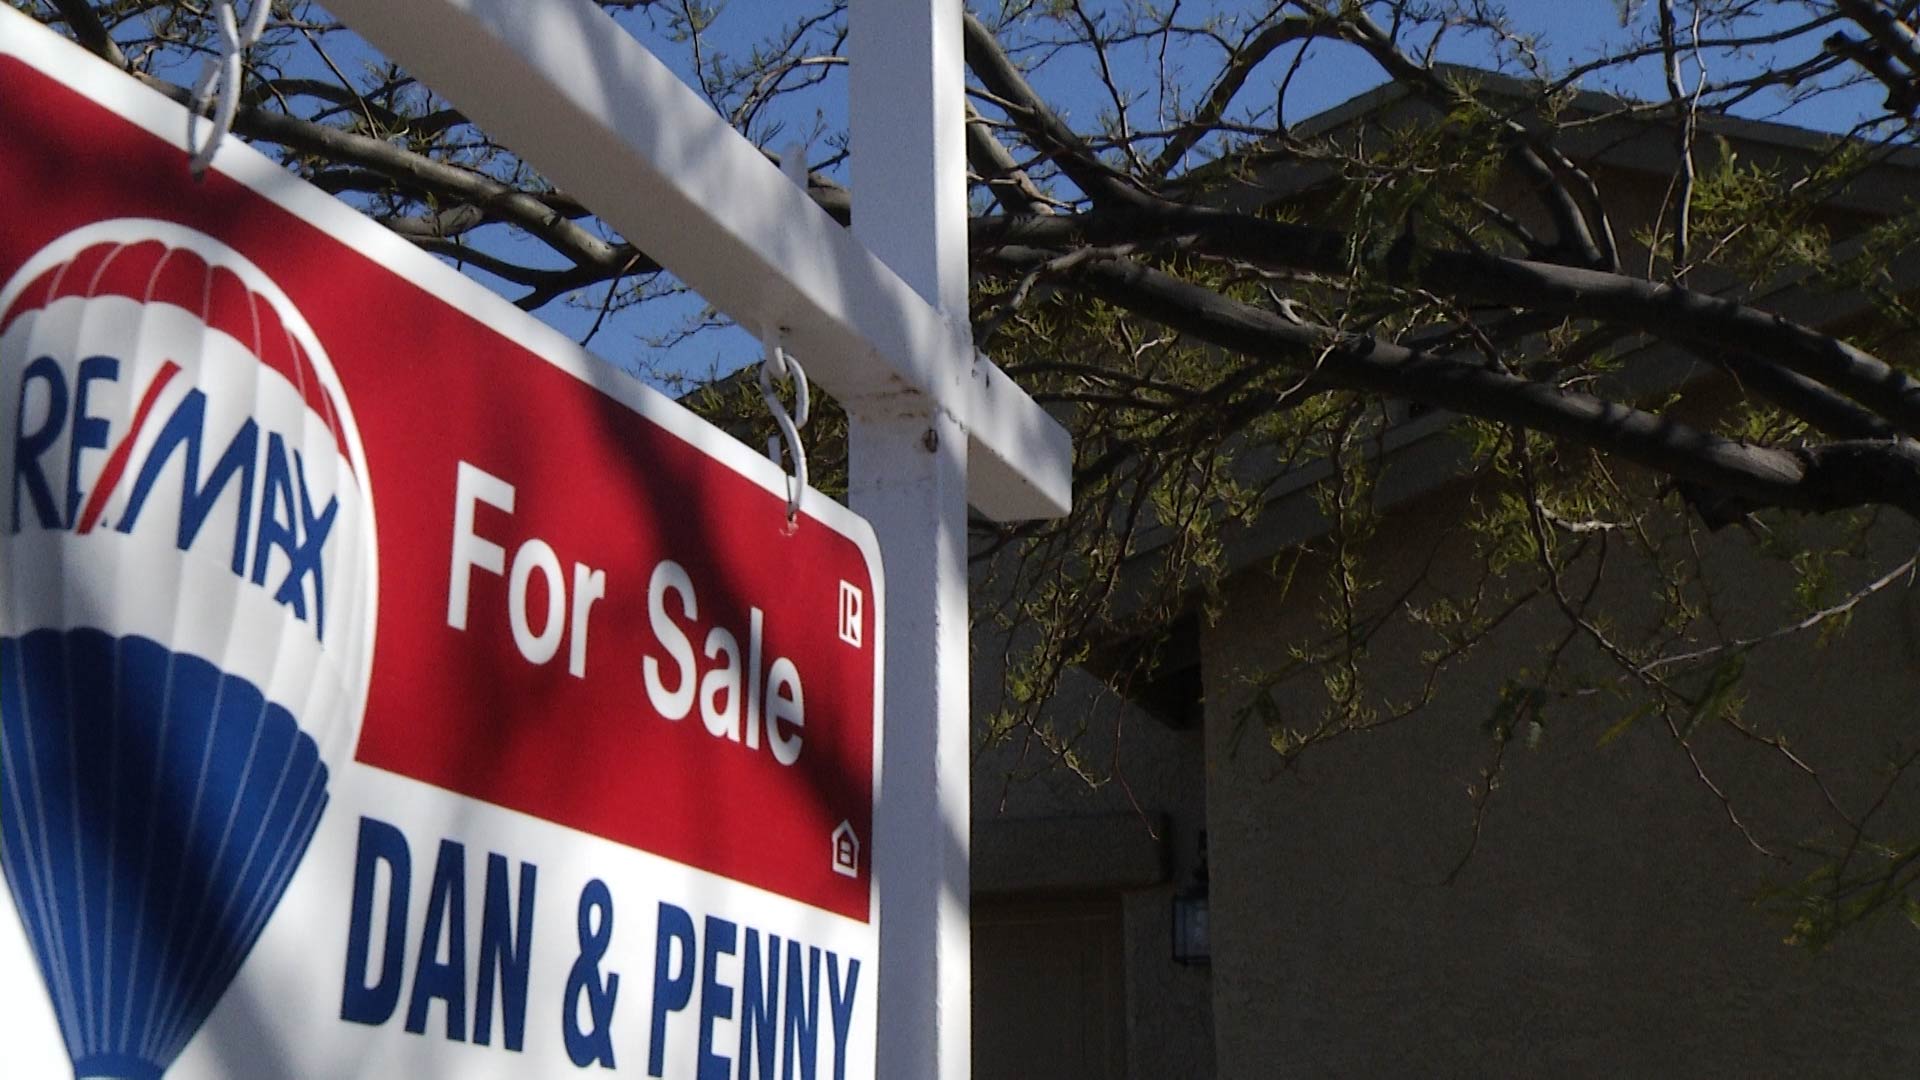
1610,130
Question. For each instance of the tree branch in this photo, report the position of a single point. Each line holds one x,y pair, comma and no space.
996,71
90,32
408,169
1012,188
1820,478
1669,312
1240,65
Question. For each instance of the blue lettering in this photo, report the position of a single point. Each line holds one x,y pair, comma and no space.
275,493
434,978
716,1001
364,1002
307,557
670,992
27,448
505,959
842,1007
197,499
303,555
803,1020
89,431
779,1013
759,1007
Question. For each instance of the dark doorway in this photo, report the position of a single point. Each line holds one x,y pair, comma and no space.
1049,989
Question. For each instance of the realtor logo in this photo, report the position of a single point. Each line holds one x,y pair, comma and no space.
195,636
852,608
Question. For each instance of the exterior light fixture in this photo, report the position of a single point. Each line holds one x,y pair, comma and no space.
1192,940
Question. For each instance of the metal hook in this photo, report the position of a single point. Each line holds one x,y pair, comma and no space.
778,364
217,93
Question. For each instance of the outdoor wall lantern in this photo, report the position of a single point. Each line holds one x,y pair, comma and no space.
1192,942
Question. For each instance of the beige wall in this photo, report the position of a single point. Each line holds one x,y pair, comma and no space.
1603,927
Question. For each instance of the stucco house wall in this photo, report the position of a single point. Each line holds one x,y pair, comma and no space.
1072,891
1603,925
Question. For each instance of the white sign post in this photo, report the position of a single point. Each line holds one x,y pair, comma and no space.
879,317
909,480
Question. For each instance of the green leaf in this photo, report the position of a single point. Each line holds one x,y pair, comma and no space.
1518,701
1624,725
1719,695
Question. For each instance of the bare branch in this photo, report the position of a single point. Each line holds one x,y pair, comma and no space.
1820,478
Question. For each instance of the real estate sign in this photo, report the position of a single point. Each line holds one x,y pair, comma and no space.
389,687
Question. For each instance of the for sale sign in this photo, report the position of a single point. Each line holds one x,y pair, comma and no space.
390,688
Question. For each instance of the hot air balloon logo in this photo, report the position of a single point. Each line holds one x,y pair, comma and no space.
187,587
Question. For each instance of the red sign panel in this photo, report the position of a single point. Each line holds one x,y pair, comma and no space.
591,606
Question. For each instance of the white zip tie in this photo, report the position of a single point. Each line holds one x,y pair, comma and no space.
779,364
217,94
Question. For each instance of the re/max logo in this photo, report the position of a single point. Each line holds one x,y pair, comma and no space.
275,510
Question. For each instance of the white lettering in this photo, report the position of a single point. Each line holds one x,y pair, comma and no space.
674,704
538,555
588,585
721,722
745,695
473,485
786,704
756,631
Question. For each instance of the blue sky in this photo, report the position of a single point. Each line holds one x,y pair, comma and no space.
1568,32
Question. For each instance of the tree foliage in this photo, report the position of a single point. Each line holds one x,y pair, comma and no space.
1228,301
